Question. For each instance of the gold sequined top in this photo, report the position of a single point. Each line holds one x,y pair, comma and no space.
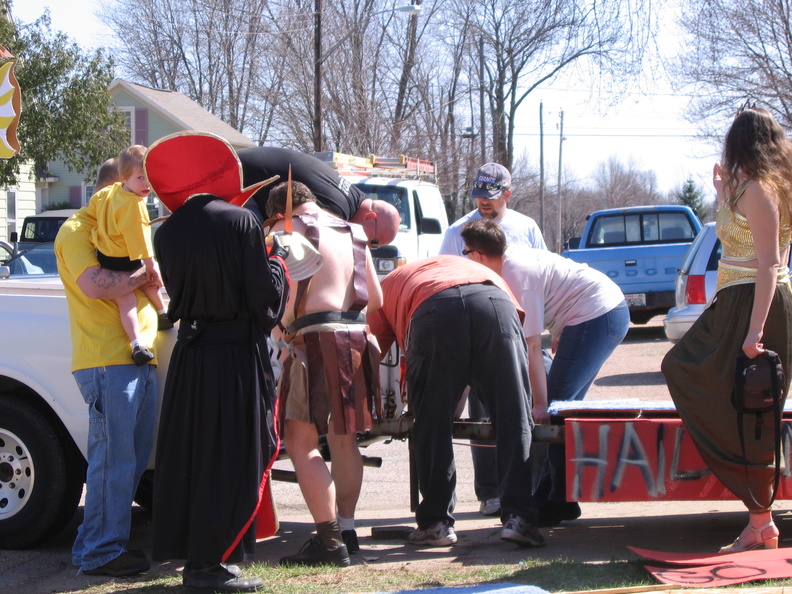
738,246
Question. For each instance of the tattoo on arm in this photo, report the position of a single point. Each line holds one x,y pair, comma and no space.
107,279
109,284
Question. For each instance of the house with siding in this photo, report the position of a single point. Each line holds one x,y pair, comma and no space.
150,114
17,202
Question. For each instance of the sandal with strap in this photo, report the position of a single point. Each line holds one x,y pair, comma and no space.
760,543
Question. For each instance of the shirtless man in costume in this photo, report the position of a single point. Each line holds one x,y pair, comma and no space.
330,375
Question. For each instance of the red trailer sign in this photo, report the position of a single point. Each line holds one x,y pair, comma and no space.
643,459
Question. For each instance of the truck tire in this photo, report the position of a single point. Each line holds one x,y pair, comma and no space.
642,316
41,476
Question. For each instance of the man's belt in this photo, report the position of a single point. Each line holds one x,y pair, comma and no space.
326,317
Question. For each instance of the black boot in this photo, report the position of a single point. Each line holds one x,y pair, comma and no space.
552,513
235,570
313,553
216,578
350,540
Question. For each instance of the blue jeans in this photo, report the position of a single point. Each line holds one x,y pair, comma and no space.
582,350
469,335
122,401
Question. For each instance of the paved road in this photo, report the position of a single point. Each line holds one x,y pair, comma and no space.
602,534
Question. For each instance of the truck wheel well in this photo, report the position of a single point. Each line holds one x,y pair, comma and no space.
10,387
41,470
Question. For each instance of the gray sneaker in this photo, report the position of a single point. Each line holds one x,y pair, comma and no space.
440,534
142,355
520,532
490,507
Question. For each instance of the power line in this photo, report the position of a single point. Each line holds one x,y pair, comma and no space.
584,135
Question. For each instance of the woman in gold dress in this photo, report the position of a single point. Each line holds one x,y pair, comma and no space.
751,312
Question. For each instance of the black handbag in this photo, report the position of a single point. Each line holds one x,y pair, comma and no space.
758,389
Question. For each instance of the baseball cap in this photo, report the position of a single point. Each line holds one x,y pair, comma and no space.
491,180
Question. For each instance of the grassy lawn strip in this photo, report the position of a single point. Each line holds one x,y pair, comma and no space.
557,575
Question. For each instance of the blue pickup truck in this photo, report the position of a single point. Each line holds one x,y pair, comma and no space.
640,248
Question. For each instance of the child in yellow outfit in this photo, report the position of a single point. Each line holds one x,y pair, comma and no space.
122,239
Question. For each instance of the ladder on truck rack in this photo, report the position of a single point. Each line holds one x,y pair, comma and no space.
356,168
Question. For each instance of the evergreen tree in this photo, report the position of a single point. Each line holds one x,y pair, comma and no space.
691,195
66,108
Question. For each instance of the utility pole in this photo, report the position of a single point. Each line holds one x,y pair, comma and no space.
319,58
559,240
481,103
317,115
541,172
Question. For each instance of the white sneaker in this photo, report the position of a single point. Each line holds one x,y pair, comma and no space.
520,532
490,507
440,534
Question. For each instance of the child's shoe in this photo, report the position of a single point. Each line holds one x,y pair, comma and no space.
163,323
141,355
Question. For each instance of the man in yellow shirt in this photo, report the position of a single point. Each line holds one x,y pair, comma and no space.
121,396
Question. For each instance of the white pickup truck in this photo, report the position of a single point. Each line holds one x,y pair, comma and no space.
43,418
423,223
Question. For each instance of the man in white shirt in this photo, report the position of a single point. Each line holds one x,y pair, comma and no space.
587,317
492,192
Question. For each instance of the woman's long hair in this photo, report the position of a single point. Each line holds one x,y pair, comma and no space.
757,148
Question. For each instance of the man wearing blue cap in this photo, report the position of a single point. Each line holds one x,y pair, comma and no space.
492,192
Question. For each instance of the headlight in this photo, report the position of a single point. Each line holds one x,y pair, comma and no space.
384,266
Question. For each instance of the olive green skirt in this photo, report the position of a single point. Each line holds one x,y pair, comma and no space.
699,371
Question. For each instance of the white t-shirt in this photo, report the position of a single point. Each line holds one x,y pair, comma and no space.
518,228
556,292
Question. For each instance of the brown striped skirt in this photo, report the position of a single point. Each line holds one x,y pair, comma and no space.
332,372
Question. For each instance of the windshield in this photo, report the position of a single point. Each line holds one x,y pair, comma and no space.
39,260
393,194
641,228
43,229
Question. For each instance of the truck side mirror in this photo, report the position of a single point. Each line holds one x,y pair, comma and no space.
14,237
5,272
430,226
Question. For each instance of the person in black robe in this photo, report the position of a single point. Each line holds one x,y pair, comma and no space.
217,435
380,219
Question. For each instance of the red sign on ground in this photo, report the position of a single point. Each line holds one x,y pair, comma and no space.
717,571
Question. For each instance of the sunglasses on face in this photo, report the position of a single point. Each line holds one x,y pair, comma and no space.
490,187
374,242
466,251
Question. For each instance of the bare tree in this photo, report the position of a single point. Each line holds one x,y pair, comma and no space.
737,51
390,84
214,51
614,185
529,42
617,185
579,202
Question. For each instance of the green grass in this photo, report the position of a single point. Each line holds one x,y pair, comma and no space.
554,576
